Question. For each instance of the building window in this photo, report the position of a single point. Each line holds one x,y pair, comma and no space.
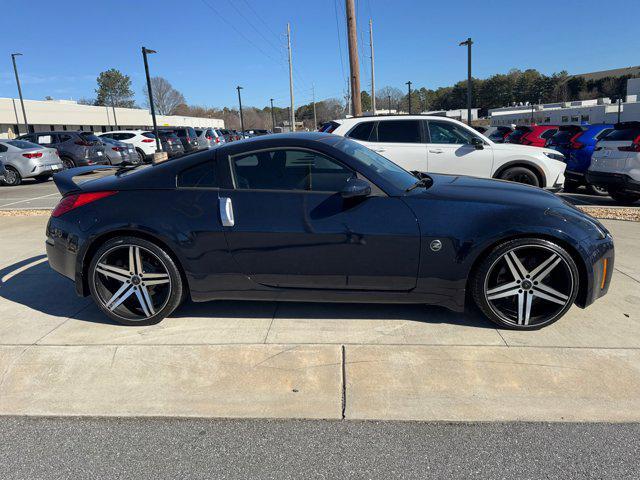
31,129
565,119
585,118
575,118
91,128
51,127
64,127
547,120
81,128
104,129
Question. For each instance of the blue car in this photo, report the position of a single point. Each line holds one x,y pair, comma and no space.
321,218
580,150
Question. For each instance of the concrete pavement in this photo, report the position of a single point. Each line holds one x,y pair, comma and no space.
60,356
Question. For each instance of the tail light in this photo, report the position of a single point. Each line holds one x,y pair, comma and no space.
634,147
217,139
83,143
209,137
574,143
71,202
118,149
147,140
32,155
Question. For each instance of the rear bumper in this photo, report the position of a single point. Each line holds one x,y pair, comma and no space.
574,176
618,181
38,170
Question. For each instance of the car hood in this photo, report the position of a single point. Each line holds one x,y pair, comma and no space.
484,190
517,148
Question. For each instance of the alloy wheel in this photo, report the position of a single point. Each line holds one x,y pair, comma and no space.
132,282
11,177
529,285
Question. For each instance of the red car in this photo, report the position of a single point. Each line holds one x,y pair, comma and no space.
538,135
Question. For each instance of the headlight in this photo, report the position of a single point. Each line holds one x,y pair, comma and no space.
555,156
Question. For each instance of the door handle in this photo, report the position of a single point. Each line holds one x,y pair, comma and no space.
226,212
437,150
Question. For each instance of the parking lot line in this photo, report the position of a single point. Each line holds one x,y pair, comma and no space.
28,200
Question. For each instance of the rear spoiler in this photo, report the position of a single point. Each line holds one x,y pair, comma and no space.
64,180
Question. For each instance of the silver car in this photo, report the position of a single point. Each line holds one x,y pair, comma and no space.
119,152
24,159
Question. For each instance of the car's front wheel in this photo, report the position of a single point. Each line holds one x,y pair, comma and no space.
521,175
525,284
134,282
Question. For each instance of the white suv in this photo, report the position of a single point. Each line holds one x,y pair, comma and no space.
443,145
143,141
615,163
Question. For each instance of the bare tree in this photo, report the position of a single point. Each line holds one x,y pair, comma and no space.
166,99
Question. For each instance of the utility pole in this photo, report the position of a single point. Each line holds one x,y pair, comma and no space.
292,116
619,108
409,84
354,65
113,107
273,118
373,76
240,104
389,100
145,52
468,42
313,96
15,70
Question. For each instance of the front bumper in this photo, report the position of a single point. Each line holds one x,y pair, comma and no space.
600,263
617,181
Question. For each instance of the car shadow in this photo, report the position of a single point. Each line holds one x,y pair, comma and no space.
33,284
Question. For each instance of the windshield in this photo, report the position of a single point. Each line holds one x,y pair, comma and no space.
22,144
395,175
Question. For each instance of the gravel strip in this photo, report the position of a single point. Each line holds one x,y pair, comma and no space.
24,213
630,214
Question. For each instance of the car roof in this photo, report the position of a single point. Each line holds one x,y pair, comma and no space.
394,117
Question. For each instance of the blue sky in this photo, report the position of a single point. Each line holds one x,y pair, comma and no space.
206,49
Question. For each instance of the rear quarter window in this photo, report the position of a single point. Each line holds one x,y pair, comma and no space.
622,135
362,131
202,175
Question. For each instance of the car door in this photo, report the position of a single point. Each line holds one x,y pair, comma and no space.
401,141
292,228
449,150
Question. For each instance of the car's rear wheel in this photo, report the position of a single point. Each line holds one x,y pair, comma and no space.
67,162
521,175
623,197
570,186
12,177
141,156
526,284
134,282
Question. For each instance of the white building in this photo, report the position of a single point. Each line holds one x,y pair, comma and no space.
459,114
44,115
600,110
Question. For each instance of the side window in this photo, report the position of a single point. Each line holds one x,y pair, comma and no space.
46,139
548,133
448,133
108,135
63,138
603,133
362,131
290,170
202,175
3,148
399,131
126,136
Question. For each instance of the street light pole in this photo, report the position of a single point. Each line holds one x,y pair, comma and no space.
389,100
145,52
619,108
468,42
273,118
240,103
15,70
409,84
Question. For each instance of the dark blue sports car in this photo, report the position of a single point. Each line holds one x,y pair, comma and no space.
317,217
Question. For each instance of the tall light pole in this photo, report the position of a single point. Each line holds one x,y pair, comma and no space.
292,115
273,118
145,52
313,96
468,42
409,85
373,72
619,108
240,104
15,70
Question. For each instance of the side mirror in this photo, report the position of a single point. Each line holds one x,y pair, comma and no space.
356,187
478,143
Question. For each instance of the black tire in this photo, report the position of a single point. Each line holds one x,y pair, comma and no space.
68,162
570,186
521,175
481,278
597,190
624,198
12,178
142,158
170,300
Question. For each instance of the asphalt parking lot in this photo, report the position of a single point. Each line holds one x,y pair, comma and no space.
60,356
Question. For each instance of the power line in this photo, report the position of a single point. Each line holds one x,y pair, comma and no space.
335,5
252,26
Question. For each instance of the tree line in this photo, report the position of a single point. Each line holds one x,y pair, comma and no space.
499,90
